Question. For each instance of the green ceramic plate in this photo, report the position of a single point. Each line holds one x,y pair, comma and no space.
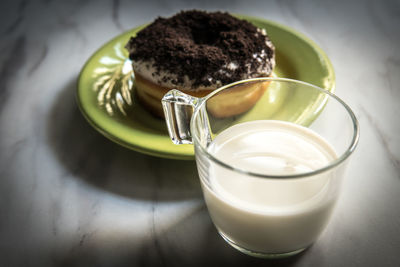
106,99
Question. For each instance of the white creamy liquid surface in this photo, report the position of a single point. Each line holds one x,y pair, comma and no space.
270,215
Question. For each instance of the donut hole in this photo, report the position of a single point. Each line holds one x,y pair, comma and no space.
204,36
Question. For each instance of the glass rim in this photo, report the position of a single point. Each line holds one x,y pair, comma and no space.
331,165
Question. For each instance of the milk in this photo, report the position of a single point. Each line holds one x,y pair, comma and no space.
270,215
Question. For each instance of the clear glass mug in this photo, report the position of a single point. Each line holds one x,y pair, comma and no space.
262,213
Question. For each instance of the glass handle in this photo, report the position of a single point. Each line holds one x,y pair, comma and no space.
178,110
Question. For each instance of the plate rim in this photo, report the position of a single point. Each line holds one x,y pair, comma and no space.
313,44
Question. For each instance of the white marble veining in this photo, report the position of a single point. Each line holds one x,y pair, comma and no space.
70,197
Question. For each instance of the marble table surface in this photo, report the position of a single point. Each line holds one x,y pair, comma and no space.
71,197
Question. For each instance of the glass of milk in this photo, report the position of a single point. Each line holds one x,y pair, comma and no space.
270,154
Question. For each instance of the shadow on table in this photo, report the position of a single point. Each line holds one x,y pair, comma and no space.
89,156
192,241
196,242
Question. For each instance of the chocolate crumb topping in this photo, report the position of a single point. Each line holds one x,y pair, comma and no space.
207,47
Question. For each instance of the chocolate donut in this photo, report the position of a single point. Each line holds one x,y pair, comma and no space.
197,52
